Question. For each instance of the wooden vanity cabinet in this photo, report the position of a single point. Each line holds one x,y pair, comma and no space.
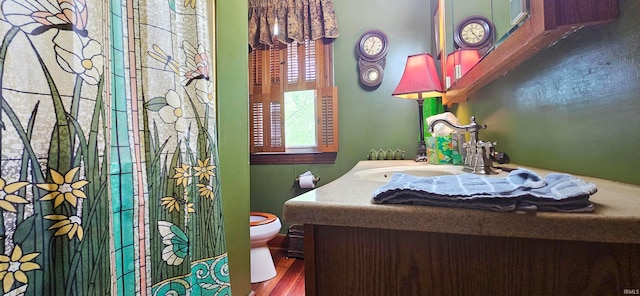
354,261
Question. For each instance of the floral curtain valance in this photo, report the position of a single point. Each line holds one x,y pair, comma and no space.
297,20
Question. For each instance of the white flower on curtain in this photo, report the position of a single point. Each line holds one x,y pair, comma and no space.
172,113
87,62
205,92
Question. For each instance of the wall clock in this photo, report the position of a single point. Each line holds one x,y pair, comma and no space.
372,50
373,45
474,32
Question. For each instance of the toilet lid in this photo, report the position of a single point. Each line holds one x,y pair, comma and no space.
267,218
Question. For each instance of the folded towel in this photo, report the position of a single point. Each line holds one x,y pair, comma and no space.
522,189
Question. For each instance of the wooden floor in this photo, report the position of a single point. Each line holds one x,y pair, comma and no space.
289,280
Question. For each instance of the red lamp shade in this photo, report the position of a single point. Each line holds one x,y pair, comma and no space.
459,62
420,79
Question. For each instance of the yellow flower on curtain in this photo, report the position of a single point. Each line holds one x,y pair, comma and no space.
64,188
173,204
205,190
191,3
71,226
13,268
170,203
183,175
189,208
203,170
6,196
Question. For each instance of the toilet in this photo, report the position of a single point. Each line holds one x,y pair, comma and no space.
262,228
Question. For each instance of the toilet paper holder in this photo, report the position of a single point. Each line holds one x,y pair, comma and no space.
315,179
307,180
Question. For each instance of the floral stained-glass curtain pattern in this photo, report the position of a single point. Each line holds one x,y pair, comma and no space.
109,169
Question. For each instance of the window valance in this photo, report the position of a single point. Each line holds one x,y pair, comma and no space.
296,20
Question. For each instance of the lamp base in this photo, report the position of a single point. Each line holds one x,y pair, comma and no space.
422,147
422,152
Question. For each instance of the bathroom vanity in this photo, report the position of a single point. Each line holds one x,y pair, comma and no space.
354,247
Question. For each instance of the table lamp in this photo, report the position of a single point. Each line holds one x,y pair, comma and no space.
420,80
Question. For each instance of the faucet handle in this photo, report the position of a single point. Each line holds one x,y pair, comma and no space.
475,126
486,144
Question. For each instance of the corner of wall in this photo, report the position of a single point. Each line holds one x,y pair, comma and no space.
233,118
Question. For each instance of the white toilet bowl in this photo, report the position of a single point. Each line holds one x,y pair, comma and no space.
262,228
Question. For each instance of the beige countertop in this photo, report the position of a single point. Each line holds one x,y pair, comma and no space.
346,201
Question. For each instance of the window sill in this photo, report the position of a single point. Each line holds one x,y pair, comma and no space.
293,158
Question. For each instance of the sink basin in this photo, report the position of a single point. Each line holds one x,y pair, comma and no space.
384,174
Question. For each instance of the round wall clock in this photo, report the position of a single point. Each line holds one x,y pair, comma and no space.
474,32
371,74
373,45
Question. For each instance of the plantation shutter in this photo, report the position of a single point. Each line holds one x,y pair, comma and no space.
266,99
301,66
285,68
327,119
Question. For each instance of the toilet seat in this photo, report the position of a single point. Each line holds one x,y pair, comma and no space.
263,228
268,218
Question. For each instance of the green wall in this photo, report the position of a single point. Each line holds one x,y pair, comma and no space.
575,106
233,136
367,118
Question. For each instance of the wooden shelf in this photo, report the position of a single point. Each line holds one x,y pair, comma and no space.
549,21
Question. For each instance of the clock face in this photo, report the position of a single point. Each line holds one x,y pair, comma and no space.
372,74
373,45
473,33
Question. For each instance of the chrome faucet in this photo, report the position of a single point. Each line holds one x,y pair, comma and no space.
478,156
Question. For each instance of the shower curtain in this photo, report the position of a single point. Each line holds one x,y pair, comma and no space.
109,169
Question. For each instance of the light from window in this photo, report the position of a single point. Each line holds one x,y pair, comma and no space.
299,119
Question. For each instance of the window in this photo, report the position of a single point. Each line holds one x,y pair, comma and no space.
299,119
293,104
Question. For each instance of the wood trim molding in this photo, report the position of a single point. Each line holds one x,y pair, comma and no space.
293,158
